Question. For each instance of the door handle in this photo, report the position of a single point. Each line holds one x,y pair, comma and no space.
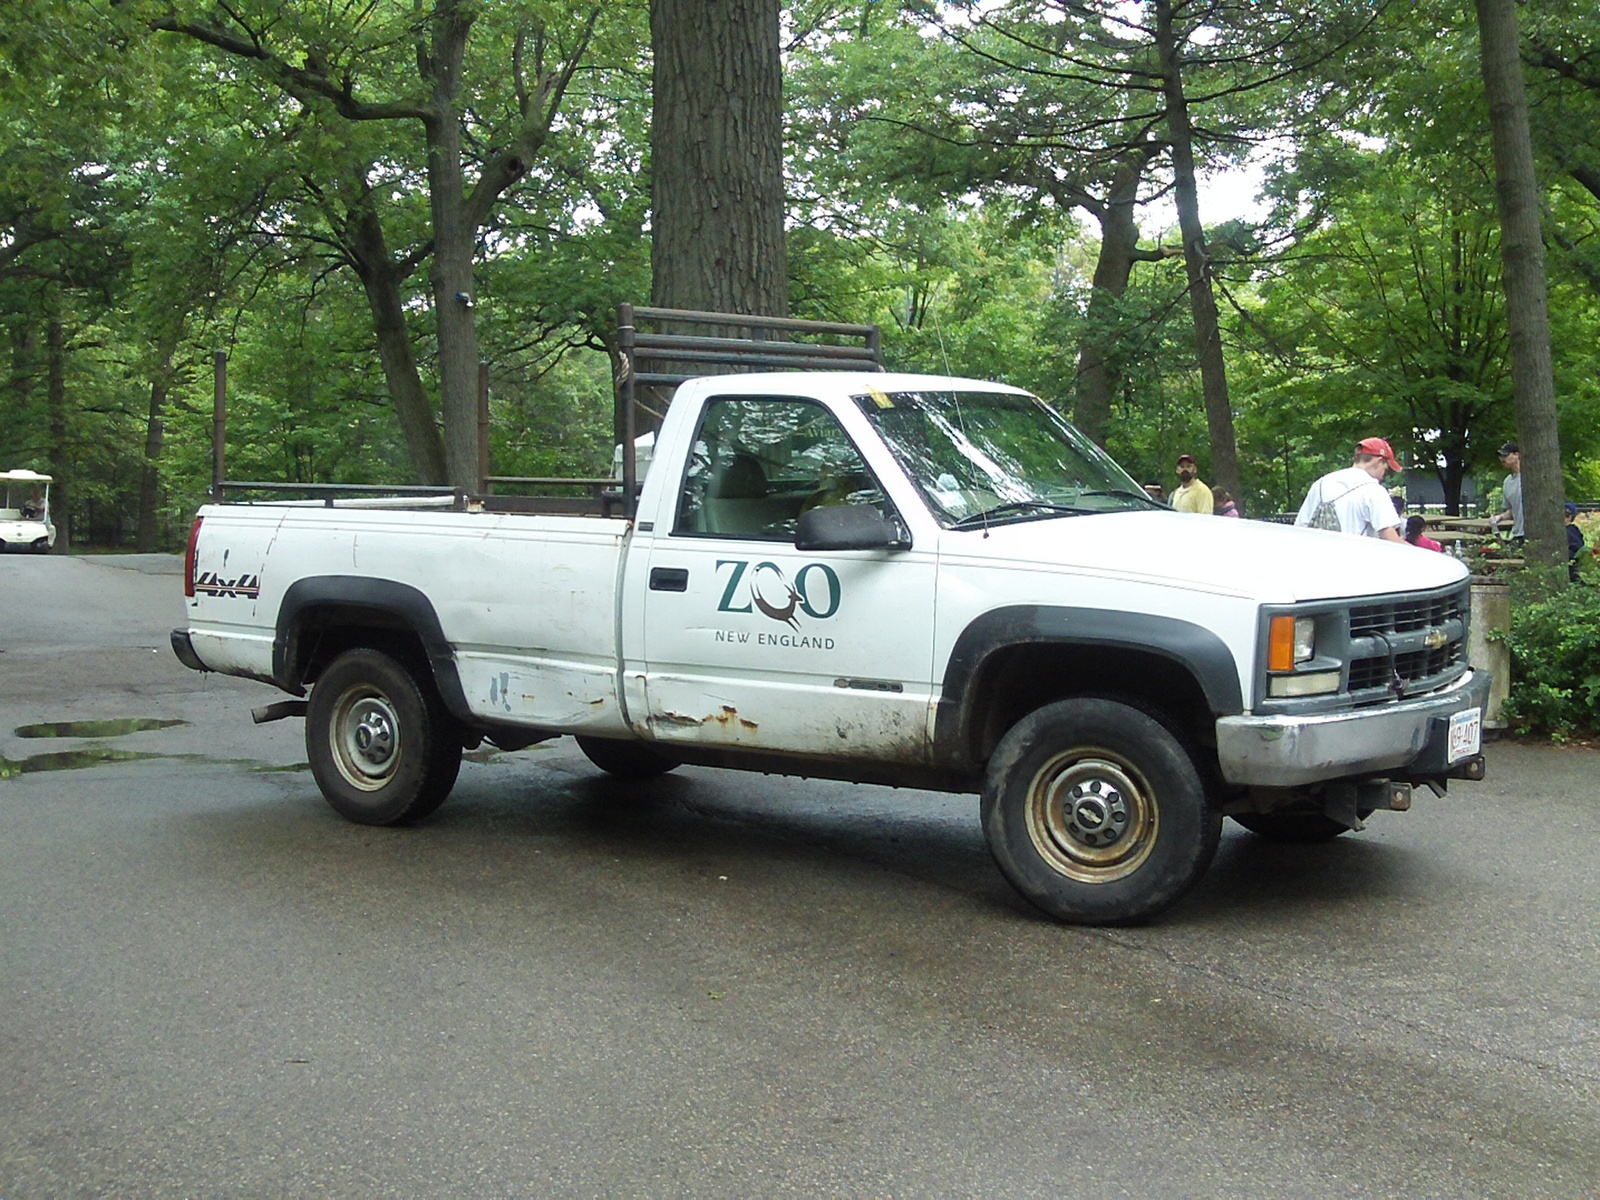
669,579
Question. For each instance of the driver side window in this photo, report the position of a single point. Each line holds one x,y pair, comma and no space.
758,463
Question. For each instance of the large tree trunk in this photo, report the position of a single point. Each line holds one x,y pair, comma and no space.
716,148
1202,302
1527,315
454,243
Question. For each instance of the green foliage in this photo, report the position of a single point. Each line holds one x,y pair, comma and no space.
161,200
1555,664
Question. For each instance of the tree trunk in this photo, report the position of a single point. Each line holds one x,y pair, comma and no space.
1202,303
56,410
24,364
716,147
1098,375
148,538
454,243
302,70
380,279
406,393
1527,315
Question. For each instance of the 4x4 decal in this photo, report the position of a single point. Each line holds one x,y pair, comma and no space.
208,583
765,588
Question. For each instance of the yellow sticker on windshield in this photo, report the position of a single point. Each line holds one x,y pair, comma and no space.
879,398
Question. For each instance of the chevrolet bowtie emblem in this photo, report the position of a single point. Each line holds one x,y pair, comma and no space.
1435,638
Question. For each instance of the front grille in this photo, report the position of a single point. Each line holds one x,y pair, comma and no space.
1411,666
1403,616
1419,640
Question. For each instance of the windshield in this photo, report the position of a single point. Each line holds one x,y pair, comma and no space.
984,458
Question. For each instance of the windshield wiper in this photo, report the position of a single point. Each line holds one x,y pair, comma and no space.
1145,496
1117,492
973,520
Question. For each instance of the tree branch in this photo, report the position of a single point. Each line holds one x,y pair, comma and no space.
306,84
539,109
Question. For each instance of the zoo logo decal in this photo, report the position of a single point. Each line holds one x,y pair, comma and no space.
764,588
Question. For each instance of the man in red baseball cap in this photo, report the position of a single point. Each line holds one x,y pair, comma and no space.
1353,499
1378,448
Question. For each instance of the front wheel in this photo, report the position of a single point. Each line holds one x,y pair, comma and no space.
1096,812
382,747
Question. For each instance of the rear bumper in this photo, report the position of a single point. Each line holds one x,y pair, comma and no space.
184,649
1390,738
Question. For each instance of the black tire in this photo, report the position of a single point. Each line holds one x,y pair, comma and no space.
42,546
382,747
1096,812
1294,826
626,760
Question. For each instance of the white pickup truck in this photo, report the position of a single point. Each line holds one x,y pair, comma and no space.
900,579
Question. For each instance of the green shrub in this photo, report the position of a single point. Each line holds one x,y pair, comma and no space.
1555,664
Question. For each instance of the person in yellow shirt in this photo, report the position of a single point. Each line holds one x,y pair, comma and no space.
1190,495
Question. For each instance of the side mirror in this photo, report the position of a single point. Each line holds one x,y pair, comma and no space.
847,527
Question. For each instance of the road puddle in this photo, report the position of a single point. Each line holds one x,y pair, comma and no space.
69,760
84,756
119,727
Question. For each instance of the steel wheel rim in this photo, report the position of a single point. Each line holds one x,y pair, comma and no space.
1091,815
366,738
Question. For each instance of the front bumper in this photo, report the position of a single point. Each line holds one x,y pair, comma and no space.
1288,751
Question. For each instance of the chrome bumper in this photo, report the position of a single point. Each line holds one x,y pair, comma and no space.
1288,751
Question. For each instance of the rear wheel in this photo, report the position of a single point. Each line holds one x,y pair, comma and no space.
382,747
1095,811
626,760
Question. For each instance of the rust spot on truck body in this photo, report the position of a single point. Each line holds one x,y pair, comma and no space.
729,715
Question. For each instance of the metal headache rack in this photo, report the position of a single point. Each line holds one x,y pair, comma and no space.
678,344
655,361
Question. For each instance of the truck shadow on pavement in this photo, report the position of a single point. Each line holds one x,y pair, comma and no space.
1251,875
935,838
513,820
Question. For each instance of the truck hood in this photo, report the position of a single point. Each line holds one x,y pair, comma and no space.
1273,564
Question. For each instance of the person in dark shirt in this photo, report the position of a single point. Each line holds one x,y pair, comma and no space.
1574,541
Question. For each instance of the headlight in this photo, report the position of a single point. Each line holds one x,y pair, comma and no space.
1290,640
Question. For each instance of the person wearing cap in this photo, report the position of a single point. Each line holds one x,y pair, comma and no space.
1511,459
1190,496
1357,495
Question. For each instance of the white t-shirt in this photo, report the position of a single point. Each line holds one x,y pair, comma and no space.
1362,503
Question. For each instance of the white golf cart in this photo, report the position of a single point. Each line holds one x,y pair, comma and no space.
25,517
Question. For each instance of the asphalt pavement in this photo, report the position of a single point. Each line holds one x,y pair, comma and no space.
731,985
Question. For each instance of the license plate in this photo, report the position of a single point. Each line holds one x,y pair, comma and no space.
1466,734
